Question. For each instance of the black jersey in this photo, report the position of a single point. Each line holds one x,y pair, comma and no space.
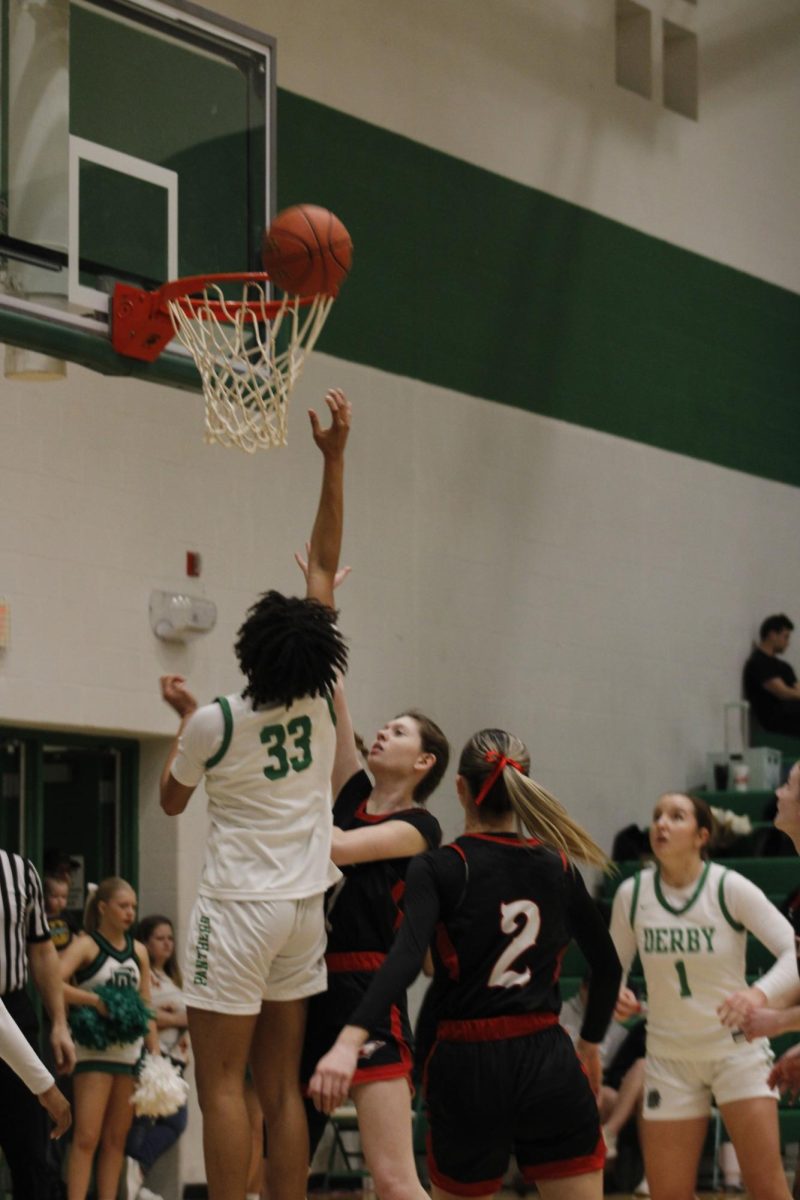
365,908
499,912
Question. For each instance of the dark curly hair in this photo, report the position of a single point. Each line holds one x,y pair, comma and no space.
289,648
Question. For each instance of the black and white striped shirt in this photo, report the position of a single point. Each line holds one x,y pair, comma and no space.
22,918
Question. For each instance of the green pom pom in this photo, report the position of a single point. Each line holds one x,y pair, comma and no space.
128,1015
127,1020
88,1027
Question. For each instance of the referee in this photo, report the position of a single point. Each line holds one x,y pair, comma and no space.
25,942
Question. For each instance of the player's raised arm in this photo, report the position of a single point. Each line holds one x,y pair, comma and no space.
326,536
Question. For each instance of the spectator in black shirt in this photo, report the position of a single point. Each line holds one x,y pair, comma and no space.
770,684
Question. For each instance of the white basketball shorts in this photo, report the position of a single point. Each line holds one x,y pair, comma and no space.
241,952
677,1090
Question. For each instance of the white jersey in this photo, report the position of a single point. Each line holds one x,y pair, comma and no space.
268,780
692,943
119,968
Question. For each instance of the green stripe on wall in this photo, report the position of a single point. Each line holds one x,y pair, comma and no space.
475,283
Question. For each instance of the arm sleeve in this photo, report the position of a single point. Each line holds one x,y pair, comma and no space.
748,905
589,931
422,910
200,741
37,928
622,932
14,1050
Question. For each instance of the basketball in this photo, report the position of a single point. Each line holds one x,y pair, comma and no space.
307,251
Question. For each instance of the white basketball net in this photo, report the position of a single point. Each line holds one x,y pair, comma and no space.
248,362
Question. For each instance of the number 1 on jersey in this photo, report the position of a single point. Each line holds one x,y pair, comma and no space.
684,982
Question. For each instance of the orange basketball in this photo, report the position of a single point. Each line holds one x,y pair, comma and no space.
307,251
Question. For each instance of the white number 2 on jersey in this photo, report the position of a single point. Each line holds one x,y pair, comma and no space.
525,931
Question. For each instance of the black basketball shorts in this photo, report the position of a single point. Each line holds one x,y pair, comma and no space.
386,1055
523,1095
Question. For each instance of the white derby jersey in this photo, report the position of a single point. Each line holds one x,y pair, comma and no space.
693,954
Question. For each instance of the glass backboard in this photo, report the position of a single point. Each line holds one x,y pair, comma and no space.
136,145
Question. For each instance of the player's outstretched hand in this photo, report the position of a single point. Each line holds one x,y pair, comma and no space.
57,1105
334,1072
177,695
785,1075
302,563
332,441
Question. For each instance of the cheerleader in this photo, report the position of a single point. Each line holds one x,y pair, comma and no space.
106,955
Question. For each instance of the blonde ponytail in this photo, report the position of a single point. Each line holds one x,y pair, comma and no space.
495,765
546,819
97,893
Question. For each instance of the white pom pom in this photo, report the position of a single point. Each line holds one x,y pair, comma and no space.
160,1090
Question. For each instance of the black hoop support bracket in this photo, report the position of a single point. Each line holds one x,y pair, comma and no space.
140,328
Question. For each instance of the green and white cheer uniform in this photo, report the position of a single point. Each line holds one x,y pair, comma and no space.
692,944
257,929
119,968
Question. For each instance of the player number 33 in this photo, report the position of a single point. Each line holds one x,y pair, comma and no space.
288,747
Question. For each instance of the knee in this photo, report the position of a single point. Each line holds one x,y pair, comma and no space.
220,1092
275,1100
85,1140
392,1183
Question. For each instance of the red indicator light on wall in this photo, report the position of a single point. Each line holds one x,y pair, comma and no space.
194,564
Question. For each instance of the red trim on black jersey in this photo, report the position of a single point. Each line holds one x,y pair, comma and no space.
494,1029
562,1169
363,815
356,960
447,952
504,839
484,1188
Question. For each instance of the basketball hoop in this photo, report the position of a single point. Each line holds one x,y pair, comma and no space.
249,351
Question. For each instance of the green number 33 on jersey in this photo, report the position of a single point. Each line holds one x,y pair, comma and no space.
288,747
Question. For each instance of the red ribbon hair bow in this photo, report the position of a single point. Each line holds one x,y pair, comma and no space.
502,762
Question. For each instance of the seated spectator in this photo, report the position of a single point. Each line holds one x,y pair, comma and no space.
769,683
